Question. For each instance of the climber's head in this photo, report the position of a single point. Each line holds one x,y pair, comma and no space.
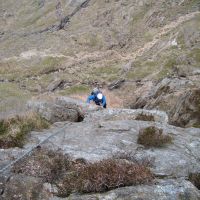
100,96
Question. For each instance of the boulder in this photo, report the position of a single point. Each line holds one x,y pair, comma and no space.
177,96
23,188
57,84
186,111
57,110
116,84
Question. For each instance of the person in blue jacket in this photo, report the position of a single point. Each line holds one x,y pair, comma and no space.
98,98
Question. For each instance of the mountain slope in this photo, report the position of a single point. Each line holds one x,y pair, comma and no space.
84,43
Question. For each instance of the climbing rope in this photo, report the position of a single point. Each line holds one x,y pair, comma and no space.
27,153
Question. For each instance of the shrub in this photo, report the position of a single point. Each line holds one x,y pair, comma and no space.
14,129
195,179
45,164
153,137
81,176
105,175
144,117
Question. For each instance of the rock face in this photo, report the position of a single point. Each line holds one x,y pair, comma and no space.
114,132
57,84
58,110
187,109
162,190
93,41
178,97
24,187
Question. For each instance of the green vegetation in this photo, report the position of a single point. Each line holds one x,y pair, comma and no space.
77,89
95,40
148,36
109,72
170,63
33,15
11,70
181,40
50,64
153,137
14,129
138,16
45,66
142,69
12,97
90,40
195,54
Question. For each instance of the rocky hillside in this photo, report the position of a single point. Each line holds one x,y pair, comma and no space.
144,55
67,47
111,154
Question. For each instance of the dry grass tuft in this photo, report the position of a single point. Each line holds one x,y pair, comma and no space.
153,137
144,117
45,164
103,176
195,179
81,176
14,129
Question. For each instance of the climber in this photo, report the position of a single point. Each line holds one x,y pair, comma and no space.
97,96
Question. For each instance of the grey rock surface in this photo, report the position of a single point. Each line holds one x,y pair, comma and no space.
164,189
24,187
106,133
57,84
57,110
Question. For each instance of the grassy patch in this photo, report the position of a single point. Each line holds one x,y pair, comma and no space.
170,63
196,125
144,117
153,137
12,97
14,130
181,40
107,70
167,66
90,40
50,64
34,15
77,89
95,40
11,70
138,16
47,66
195,54
142,70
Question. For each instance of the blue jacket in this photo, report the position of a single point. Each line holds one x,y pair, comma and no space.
96,100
